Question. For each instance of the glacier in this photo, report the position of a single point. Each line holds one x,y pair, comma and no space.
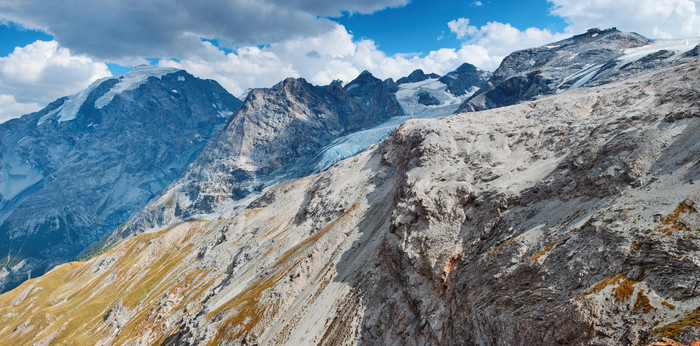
407,96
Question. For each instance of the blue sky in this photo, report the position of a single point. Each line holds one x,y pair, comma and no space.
49,51
12,36
416,27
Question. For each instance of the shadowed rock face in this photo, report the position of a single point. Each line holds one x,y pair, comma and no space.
567,220
277,135
82,166
527,74
465,78
426,99
416,76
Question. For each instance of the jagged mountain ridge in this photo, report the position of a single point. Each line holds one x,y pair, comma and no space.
83,165
416,76
378,103
570,219
425,99
277,135
465,79
588,59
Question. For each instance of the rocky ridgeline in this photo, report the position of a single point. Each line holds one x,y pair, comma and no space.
588,59
567,220
79,168
277,135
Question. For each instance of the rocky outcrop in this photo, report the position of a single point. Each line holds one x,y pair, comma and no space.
567,220
417,76
86,163
427,99
464,79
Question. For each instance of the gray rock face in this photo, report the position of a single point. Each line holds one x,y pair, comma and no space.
416,76
574,62
86,163
465,78
277,135
427,99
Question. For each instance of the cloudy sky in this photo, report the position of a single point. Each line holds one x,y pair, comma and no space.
53,48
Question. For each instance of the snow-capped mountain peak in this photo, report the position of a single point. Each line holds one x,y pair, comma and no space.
116,85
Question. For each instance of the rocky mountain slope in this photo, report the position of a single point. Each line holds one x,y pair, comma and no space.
444,93
277,135
327,119
83,165
571,219
588,59
465,79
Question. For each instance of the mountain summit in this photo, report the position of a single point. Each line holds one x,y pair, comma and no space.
278,134
84,164
526,74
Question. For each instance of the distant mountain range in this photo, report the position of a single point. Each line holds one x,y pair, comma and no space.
83,166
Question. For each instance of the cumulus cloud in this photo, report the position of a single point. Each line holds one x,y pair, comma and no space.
334,8
116,30
487,45
652,18
461,27
38,73
320,59
10,108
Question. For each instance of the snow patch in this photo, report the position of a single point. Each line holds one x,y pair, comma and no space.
133,80
630,55
224,113
676,46
128,81
407,96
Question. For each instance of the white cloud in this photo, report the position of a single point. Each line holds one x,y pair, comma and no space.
38,73
651,18
319,59
301,44
461,27
10,108
486,46
477,4
115,30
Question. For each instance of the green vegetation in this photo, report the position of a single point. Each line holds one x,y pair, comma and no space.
68,304
674,329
